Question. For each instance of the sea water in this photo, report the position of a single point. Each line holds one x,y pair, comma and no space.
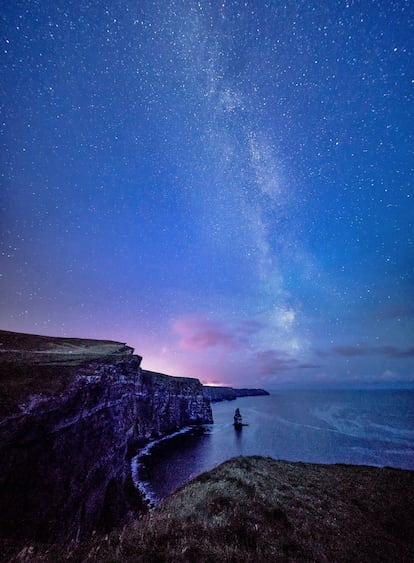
355,427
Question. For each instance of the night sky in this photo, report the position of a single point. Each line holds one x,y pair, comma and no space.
224,185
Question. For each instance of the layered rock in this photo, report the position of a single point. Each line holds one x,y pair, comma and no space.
215,393
63,446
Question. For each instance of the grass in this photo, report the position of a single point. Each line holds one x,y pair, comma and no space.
35,365
258,509
18,347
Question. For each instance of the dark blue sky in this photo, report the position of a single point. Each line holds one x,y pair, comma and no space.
227,186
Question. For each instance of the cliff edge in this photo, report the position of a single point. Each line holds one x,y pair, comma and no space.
70,411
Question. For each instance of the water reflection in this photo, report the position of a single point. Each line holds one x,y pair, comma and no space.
238,439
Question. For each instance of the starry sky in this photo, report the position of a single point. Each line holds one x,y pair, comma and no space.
224,185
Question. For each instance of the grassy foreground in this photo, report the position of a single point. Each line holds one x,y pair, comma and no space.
259,509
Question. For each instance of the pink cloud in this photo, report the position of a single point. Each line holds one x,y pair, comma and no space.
200,334
270,361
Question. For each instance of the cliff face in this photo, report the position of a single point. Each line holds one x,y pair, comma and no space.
64,469
174,402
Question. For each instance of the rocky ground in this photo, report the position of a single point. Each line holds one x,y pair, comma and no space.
262,510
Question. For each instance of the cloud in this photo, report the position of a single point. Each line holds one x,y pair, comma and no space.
389,375
365,350
270,361
199,334
253,348
350,351
250,328
396,312
408,353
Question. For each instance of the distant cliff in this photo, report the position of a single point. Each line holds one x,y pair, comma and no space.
229,393
70,410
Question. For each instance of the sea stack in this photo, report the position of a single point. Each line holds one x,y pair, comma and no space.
238,421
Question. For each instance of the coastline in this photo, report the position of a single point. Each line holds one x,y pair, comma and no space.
137,465
111,406
279,427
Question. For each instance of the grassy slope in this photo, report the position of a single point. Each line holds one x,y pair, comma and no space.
258,509
16,346
34,365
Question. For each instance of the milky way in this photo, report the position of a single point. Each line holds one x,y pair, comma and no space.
226,186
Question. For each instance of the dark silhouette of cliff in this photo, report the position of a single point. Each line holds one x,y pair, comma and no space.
215,393
71,410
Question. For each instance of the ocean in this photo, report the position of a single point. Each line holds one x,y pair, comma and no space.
353,427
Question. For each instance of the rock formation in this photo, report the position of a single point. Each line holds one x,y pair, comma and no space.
238,420
229,393
67,423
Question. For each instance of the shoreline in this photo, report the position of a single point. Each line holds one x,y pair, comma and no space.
137,464
150,474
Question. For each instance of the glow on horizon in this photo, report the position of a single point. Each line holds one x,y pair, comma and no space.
167,367
161,365
167,364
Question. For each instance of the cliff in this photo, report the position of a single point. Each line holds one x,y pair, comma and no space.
71,410
216,394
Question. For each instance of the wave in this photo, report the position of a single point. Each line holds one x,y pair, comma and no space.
305,425
350,422
137,465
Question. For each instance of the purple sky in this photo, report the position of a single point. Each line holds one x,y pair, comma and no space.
226,186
